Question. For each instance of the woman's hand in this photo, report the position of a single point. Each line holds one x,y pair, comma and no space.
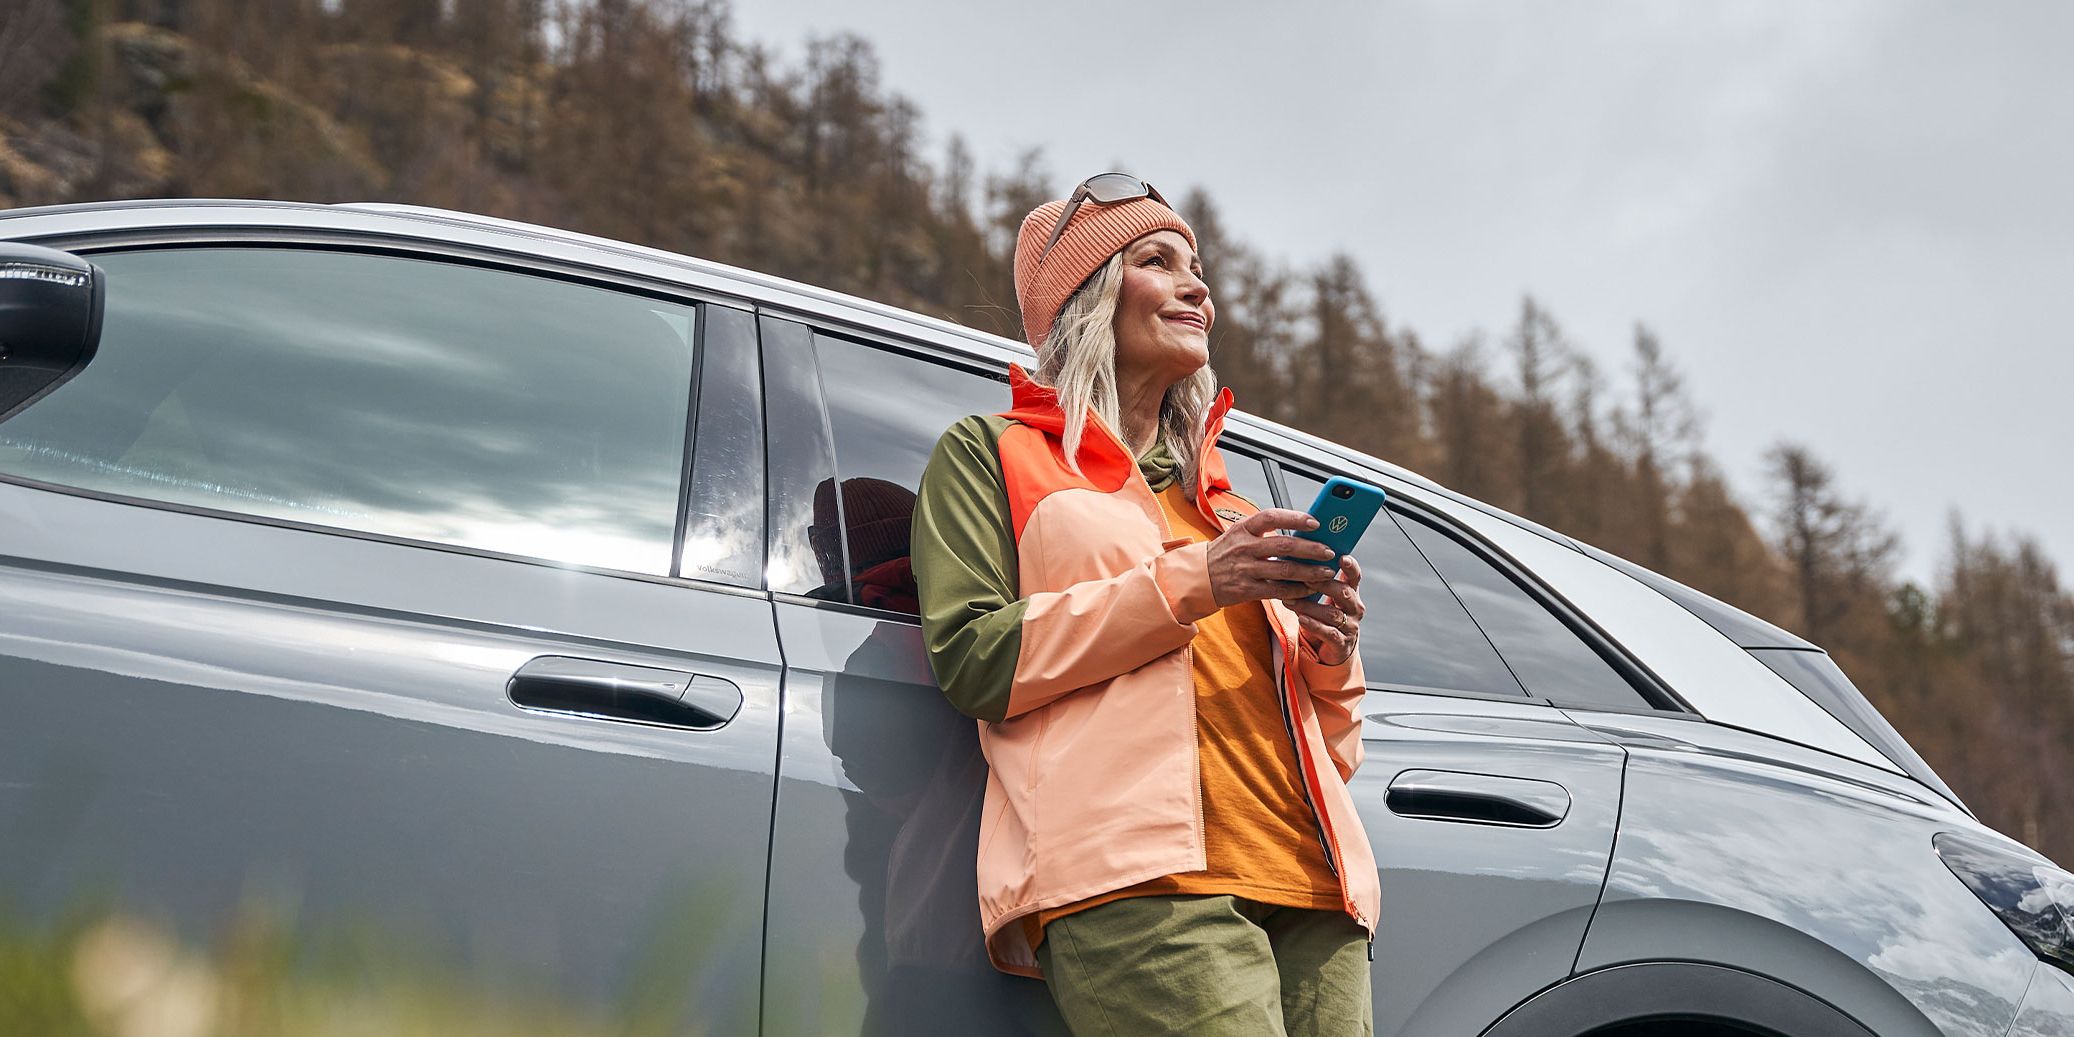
1243,567
1243,564
1333,626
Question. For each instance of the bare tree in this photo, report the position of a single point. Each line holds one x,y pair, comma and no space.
1540,359
1839,553
1660,436
34,43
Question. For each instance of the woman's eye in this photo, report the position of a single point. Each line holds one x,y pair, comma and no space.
1155,259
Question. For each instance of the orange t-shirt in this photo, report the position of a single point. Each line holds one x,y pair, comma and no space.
1259,834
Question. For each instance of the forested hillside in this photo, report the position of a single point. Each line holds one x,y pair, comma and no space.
653,122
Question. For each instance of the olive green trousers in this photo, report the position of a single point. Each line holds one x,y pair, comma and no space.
1208,966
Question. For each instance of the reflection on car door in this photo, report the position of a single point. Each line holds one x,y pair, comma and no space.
271,565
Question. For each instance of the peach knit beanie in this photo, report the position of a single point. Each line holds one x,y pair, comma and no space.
1096,233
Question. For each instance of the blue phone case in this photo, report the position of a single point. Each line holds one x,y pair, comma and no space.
1344,508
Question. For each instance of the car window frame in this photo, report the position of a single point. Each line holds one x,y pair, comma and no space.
1658,698
818,326
755,449
131,240
1236,447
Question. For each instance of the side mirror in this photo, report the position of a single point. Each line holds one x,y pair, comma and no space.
50,321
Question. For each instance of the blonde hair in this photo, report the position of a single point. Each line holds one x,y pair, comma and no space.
1079,362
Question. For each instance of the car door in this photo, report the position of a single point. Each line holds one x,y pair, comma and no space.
1491,813
874,909
345,661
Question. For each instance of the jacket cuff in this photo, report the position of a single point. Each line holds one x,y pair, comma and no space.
1183,575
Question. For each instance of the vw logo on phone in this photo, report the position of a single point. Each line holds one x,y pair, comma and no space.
1339,523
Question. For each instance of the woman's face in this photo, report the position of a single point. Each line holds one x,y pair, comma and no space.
1163,312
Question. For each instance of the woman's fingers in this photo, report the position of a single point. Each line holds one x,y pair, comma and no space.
1294,572
1251,559
1346,591
1325,613
1266,521
1281,589
1347,597
1290,547
1323,633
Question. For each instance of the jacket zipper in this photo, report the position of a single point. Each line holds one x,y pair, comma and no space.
1303,777
1195,738
1303,780
1305,769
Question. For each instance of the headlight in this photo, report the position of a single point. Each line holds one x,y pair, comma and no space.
2031,896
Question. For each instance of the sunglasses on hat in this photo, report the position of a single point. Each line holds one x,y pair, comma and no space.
1101,189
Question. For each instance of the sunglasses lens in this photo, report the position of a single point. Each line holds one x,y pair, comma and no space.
1110,188
1102,189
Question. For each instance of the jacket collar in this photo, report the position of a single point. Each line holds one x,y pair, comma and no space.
1103,457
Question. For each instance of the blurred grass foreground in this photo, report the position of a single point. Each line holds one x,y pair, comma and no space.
107,973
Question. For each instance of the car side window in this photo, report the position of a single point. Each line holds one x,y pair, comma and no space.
886,417
1249,478
409,398
885,411
1416,635
1549,658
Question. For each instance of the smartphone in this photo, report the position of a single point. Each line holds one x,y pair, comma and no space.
1344,508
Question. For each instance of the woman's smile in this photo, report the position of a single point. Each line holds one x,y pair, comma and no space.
1190,319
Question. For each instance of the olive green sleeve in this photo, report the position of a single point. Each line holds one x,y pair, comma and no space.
963,545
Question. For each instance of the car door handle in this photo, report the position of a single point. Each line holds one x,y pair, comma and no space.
623,691
1485,799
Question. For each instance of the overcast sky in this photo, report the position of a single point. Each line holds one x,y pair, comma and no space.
1849,222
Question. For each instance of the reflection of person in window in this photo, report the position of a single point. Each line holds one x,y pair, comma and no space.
878,515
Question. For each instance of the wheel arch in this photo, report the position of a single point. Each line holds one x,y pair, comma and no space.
1670,991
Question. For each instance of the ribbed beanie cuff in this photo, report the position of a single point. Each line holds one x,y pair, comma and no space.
1096,233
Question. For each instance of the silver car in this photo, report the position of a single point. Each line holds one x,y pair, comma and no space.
497,623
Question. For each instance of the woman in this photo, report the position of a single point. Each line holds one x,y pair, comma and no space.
1167,837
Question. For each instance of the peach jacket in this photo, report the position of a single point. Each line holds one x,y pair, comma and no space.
1058,610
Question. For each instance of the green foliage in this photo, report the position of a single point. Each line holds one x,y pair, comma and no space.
36,994
78,75
106,972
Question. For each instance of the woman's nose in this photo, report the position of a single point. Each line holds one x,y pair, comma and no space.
1191,287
